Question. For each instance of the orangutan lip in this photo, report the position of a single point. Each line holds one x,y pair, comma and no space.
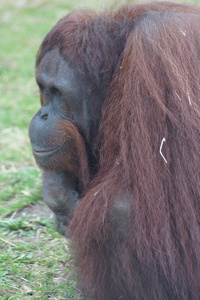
45,152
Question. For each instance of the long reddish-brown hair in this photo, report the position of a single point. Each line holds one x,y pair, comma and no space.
147,59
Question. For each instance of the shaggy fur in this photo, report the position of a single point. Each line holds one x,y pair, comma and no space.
136,231
75,161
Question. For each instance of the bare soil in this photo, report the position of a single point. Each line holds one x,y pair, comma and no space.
35,209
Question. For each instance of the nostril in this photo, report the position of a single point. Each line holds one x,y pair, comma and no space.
43,113
45,116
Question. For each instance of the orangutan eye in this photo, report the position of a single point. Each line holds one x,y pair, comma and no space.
56,91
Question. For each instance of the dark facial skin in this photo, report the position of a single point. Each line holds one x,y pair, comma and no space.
65,97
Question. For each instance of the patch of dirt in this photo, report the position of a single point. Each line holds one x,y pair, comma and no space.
35,209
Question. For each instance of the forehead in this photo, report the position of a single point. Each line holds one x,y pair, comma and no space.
53,67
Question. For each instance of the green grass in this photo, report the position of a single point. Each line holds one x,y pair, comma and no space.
35,262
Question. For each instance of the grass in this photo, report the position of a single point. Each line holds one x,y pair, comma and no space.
35,261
